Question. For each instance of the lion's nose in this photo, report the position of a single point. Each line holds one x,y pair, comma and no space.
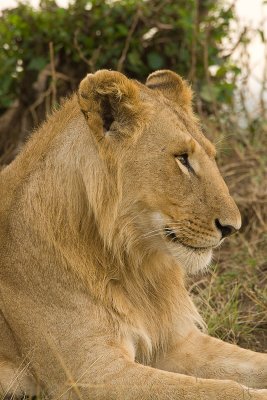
226,230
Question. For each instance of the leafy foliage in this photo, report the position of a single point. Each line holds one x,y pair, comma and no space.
135,36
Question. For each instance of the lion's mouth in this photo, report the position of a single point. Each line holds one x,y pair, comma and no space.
171,236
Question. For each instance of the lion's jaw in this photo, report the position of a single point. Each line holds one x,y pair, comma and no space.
161,237
191,260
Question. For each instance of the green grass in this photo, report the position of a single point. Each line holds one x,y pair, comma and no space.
232,297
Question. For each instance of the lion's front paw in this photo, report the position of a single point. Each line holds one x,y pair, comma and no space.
258,394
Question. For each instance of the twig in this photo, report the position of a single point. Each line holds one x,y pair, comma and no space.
263,91
53,73
192,72
90,62
128,40
37,102
236,45
207,74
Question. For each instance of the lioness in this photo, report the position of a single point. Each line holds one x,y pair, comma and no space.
110,204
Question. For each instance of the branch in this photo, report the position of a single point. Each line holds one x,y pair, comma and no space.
53,73
128,40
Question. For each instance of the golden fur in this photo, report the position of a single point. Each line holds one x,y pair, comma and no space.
107,208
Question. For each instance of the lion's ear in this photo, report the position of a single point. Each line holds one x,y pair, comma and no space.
110,103
172,86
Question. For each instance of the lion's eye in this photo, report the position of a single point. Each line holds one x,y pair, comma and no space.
183,158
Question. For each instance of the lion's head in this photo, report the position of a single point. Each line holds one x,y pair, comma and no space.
170,193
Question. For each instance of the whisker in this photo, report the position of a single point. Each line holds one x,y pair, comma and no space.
153,233
156,233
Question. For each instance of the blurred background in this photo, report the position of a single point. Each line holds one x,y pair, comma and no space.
220,47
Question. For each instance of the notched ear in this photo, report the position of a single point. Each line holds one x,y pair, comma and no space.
110,103
172,86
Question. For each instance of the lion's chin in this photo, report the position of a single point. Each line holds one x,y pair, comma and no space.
192,261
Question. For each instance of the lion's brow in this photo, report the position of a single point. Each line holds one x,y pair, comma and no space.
207,146
210,149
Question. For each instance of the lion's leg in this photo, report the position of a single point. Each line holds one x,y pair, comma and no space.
108,373
14,381
121,379
14,377
206,357
78,355
74,350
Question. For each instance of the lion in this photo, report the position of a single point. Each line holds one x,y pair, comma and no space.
113,201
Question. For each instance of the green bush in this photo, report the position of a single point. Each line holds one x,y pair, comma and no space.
135,36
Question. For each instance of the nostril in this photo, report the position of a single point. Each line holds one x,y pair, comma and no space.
226,230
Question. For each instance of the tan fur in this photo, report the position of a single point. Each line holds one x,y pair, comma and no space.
100,222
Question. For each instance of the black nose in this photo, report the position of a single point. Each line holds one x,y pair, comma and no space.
226,230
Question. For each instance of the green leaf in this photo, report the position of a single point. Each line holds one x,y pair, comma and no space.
37,63
209,93
155,61
134,62
122,29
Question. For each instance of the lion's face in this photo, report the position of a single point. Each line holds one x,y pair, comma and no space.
166,171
